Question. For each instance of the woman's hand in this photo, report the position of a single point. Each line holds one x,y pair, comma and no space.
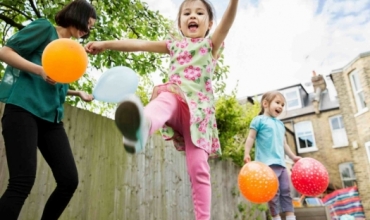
86,97
45,77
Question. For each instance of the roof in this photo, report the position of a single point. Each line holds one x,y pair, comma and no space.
361,55
326,103
245,99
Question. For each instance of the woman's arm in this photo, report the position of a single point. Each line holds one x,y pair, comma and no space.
83,95
223,28
12,58
127,45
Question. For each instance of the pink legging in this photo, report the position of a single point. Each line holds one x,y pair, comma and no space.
167,109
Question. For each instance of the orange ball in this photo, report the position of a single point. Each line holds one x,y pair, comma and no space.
257,182
64,60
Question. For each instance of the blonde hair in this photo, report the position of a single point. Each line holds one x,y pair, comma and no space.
268,97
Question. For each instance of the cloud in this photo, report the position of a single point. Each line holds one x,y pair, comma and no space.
344,35
345,7
264,47
278,43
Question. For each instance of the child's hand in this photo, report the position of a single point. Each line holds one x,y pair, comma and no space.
296,158
94,47
247,158
86,97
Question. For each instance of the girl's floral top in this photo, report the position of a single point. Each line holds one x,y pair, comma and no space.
190,77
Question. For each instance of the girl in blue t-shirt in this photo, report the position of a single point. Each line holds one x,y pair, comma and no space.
271,147
34,109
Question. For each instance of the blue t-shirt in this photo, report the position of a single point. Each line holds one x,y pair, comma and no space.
28,90
269,140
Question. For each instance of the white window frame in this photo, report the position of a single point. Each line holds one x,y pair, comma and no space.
296,90
356,93
367,147
352,173
343,132
310,129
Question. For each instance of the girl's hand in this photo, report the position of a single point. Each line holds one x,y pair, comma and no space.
247,158
94,47
296,158
85,97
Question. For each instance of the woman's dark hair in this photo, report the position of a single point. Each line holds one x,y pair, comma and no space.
76,14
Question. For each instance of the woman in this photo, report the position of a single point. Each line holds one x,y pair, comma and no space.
34,110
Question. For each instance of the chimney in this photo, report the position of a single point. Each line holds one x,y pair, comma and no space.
319,85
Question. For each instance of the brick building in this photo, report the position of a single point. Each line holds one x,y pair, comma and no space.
352,83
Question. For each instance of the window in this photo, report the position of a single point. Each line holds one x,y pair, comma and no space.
367,146
305,137
347,174
357,91
338,131
293,100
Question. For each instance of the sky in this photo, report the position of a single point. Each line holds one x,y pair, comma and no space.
277,43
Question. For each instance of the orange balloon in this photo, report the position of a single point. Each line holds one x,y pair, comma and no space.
64,60
257,182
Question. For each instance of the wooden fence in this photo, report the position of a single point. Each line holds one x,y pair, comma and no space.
152,185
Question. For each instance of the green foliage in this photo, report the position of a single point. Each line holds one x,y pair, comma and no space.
233,120
2,70
246,211
220,76
249,213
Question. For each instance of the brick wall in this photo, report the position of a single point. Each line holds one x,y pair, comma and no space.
357,125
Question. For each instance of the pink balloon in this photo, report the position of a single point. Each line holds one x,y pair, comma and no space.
310,177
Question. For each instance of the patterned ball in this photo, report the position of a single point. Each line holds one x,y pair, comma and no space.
310,177
257,182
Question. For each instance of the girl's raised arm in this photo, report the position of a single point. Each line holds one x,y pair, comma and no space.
223,28
127,45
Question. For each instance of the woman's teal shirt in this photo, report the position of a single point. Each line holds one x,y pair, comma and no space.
28,90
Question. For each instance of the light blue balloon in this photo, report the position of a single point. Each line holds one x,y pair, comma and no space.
116,83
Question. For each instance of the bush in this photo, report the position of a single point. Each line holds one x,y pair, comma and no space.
233,120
